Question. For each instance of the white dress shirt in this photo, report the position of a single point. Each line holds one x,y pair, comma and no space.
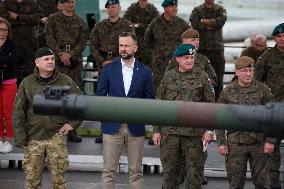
127,74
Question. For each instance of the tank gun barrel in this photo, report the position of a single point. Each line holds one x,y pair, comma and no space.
268,119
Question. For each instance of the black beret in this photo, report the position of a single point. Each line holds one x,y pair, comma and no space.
111,2
44,51
278,29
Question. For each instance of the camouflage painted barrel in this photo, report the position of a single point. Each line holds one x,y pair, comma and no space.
268,119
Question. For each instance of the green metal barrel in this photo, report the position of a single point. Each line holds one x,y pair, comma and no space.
258,118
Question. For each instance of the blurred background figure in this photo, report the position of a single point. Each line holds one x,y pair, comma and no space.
209,19
24,16
248,41
66,35
258,46
49,7
8,85
141,13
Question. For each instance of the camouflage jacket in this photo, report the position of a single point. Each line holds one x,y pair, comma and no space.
201,62
163,37
211,38
141,18
270,70
251,52
104,38
48,7
29,14
189,86
256,93
66,33
29,126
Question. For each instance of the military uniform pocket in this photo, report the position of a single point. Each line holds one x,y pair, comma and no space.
171,93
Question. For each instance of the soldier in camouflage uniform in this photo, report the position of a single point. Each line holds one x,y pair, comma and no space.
67,34
42,137
208,19
270,69
23,15
177,144
191,36
241,147
141,14
104,36
257,48
162,37
49,8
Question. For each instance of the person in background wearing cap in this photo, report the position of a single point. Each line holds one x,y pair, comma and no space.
24,16
67,34
241,147
104,37
177,144
162,36
270,69
257,48
208,19
42,137
191,36
141,13
125,77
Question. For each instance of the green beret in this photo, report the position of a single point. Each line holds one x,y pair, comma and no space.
278,29
190,33
243,61
44,51
169,2
184,49
111,2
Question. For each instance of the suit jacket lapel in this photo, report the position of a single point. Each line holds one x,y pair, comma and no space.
135,77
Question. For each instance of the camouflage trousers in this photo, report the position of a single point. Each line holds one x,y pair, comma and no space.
217,61
236,165
182,175
174,150
54,152
275,166
74,72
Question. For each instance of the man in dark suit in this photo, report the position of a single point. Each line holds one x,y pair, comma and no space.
129,78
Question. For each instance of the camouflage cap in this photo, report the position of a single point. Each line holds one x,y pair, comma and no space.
278,29
169,2
44,51
190,33
184,49
111,2
243,61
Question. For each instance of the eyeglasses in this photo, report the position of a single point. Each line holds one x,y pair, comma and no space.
3,29
245,70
